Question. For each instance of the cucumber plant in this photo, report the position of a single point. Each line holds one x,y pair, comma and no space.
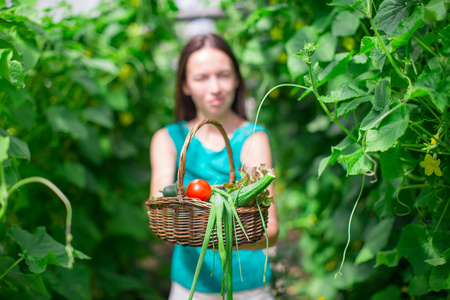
38,249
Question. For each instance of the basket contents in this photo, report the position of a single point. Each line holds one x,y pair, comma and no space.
251,189
199,189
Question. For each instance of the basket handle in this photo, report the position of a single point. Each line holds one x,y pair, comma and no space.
187,141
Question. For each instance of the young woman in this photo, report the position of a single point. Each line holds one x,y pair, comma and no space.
210,86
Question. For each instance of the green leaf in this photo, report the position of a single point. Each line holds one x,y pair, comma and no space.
403,33
123,147
326,47
74,284
336,67
445,38
367,44
74,173
392,167
383,205
64,120
342,93
101,64
15,278
347,107
390,14
129,220
29,12
375,240
416,245
345,23
440,278
22,108
435,261
382,94
435,11
392,292
5,61
41,249
356,162
27,49
372,119
17,148
349,3
431,84
446,254
17,74
116,283
388,258
87,82
419,286
90,148
335,153
389,131
116,99
100,115
4,146
253,53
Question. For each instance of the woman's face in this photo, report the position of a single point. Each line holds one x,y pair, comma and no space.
211,82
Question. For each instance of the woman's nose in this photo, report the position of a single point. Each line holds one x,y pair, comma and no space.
215,85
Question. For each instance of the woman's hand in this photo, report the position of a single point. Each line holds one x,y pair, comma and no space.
163,159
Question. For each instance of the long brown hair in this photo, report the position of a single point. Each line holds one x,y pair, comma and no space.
184,106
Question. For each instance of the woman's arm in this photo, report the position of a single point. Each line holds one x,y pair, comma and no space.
163,159
255,152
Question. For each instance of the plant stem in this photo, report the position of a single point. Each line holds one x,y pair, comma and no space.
64,199
425,46
259,109
442,215
325,108
348,229
389,56
12,266
3,193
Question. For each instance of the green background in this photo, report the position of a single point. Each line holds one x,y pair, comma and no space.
81,98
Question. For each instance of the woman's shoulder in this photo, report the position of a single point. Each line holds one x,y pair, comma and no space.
249,127
175,126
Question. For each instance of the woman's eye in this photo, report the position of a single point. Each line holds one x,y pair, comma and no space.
224,75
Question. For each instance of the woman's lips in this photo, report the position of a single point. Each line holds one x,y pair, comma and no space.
216,102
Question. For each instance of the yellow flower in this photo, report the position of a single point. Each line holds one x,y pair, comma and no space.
431,165
274,94
300,24
126,118
321,298
433,139
330,265
282,58
348,43
125,72
276,33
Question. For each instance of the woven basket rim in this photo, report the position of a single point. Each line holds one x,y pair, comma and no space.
187,141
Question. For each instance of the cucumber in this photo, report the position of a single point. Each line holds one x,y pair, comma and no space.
245,195
171,190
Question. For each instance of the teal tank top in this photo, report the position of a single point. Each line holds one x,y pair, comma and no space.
213,166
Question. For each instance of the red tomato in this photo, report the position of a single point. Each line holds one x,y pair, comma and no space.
200,189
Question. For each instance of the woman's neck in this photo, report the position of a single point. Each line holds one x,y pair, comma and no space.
229,122
210,137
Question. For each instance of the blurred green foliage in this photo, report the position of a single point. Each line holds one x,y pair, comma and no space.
81,98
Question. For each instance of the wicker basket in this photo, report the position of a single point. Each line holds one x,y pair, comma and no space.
183,220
